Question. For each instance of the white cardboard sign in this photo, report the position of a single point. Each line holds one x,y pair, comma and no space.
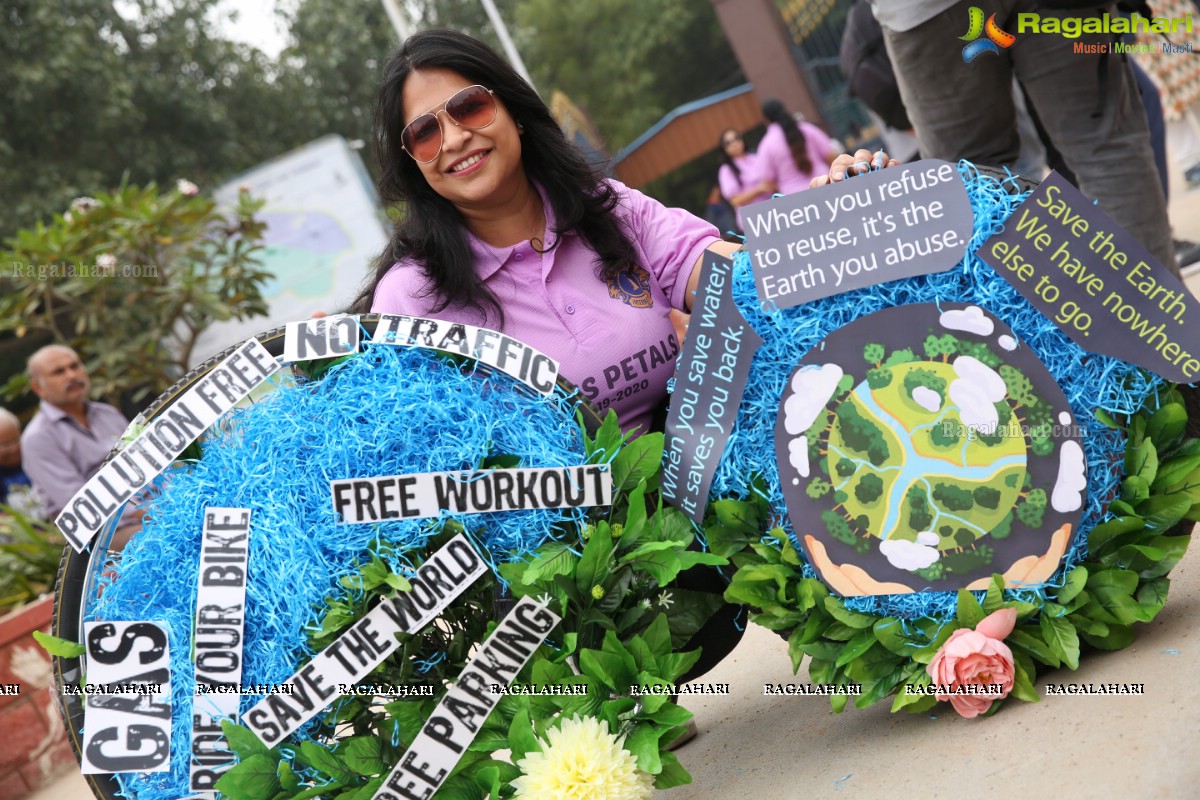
220,620
443,577
162,440
127,723
456,720
427,494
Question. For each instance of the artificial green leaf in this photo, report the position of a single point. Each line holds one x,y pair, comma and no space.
904,698
672,773
255,778
363,754
1163,511
553,559
1112,534
1026,639
1134,489
637,460
844,615
1118,638
890,633
593,566
970,613
1023,675
994,599
521,738
1060,635
1152,596
1074,584
62,648
1176,472
643,744
856,647
1167,424
1142,461
317,756
242,741
635,517
289,781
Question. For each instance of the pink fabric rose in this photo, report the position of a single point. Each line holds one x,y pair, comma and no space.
977,658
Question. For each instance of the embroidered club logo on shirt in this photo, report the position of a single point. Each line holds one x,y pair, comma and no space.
632,287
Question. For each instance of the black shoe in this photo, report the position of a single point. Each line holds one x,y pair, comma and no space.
1186,252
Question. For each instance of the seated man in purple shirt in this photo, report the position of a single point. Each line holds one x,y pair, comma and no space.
67,441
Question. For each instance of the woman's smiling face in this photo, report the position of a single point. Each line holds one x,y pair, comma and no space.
476,170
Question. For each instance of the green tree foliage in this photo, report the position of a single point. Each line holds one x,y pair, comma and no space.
840,529
1020,389
878,378
862,434
1004,529
131,279
919,517
898,357
944,434
626,62
92,96
1032,510
987,497
873,353
817,488
928,379
980,352
845,467
942,346
869,488
953,498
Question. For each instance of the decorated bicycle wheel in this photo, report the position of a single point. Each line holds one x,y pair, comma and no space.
407,506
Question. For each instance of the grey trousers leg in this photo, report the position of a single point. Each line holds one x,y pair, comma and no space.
1088,103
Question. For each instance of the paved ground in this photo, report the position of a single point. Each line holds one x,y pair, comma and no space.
771,748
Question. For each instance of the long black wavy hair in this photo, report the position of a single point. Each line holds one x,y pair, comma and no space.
725,159
774,111
431,230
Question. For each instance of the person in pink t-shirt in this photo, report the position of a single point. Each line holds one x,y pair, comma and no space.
506,226
739,174
792,154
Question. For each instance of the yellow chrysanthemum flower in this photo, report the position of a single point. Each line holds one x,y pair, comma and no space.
582,761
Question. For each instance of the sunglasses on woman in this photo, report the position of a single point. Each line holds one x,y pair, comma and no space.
473,108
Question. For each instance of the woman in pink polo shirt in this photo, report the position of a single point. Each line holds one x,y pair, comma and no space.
507,226
739,175
792,154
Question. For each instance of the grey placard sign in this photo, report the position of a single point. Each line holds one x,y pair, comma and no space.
1097,283
710,378
882,226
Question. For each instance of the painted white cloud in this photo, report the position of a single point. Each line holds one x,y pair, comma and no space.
813,386
927,398
1064,418
970,319
1072,478
976,391
909,556
798,454
1007,342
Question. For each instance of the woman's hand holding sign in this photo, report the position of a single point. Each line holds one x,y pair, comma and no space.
847,166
